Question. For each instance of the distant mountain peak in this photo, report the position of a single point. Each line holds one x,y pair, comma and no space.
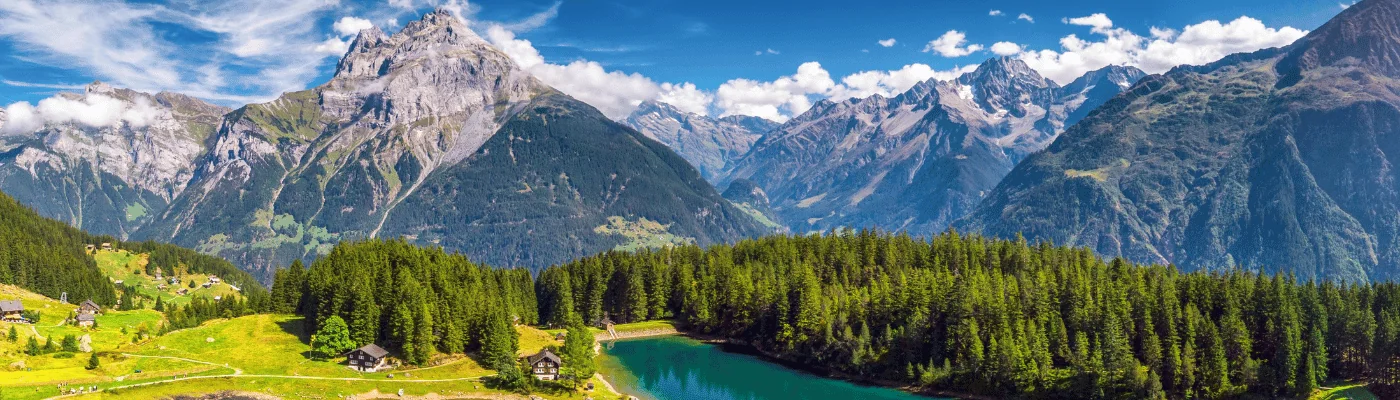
373,53
1006,83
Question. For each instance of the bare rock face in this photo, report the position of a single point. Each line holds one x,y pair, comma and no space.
917,161
1280,160
711,145
410,138
118,163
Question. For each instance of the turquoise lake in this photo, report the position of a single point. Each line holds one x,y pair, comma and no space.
680,368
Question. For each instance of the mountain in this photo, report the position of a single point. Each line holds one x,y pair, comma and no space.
919,160
1277,160
434,135
109,177
711,145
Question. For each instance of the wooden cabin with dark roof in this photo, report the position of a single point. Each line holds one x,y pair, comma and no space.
370,358
89,307
11,311
545,365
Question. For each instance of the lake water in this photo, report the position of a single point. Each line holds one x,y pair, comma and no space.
680,368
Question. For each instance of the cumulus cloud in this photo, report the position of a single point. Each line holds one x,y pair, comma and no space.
350,26
891,83
1026,17
1165,48
775,100
1099,21
93,110
686,97
887,42
615,93
952,44
1005,48
994,13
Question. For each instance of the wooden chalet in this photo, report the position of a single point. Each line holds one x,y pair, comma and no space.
11,311
89,307
545,365
367,359
87,320
107,246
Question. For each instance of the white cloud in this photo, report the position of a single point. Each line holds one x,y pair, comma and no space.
891,83
762,52
887,42
1346,5
615,93
1005,48
952,44
774,100
92,110
1099,21
335,46
258,50
1026,17
1166,48
350,26
686,97
994,13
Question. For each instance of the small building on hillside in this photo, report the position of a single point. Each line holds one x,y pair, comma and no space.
89,248
367,359
545,365
214,279
11,311
87,320
182,292
107,246
89,307
160,275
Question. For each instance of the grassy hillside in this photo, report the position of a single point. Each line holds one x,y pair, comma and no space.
265,354
130,270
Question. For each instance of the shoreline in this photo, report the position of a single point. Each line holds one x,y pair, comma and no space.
731,346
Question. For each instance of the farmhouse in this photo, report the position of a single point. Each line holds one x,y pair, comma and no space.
11,311
367,359
214,279
545,365
86,320
107,246
89,307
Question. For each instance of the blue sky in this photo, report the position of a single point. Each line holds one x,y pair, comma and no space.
770,59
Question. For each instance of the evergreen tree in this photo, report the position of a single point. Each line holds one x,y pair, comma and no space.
32,347
14,335
578,351
93,363
69,344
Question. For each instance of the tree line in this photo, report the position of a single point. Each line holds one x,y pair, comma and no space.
414,300
998,317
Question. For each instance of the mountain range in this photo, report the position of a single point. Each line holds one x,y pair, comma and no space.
429,134
1277,160
919,160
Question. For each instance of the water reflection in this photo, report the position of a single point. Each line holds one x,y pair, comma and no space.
677,368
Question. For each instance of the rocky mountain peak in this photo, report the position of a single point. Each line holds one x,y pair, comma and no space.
1005,83
1366,34
438,34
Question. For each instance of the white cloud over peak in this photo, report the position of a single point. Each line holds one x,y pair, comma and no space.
1165,48
351,26
952,44
1005,48
887,42
93,110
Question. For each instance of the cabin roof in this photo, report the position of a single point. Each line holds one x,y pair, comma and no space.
89,303
11,306
543,355
374,350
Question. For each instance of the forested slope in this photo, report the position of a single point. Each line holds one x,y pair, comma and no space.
1001,318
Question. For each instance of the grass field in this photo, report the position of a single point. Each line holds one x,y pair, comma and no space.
1350,391
259,353
130,269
